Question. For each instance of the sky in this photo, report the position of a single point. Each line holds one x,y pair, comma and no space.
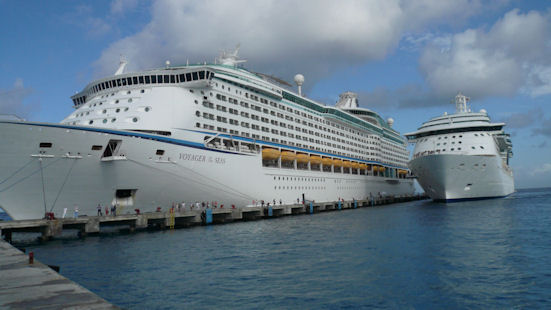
405,59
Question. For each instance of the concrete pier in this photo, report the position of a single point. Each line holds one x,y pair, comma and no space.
90,225
35,286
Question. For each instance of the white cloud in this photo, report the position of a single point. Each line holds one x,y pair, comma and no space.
510,57
122,6
543,169
279,37
11,100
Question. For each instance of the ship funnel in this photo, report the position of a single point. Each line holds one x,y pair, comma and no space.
348,100
122,66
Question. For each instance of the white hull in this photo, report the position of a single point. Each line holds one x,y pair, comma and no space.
73,174
448,177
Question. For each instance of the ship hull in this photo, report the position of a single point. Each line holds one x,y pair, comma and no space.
70,173
450,177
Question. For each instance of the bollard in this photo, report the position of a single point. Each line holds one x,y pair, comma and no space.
31,258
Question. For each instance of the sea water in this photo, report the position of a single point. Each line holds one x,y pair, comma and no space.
481,254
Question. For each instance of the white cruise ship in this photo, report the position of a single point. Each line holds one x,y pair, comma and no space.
213,133
462,156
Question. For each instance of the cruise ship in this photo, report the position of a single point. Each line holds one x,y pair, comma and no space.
214,134
462,156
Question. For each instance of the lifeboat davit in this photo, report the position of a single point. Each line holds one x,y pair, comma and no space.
270,154
288,156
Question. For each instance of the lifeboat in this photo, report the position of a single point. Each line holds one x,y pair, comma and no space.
382,169
363,166
270,154
347,164
327,161
288,156
337,162
355,165
303,158
315,160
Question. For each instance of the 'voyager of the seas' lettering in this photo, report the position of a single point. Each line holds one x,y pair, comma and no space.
194,133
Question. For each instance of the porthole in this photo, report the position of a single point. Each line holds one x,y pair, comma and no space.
135,119
100,103
104,120
129,100
117,101
117,110
125,109
113,120
104,111
147,109
142,91
91,122
128,92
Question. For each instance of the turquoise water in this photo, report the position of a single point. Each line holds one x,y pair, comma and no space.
482,254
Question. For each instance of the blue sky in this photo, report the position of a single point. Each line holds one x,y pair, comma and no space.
405,59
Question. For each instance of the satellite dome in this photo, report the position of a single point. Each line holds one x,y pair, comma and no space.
483,111
299,79
390,121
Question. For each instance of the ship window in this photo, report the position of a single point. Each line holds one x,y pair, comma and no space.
129,100
188,77
113,120
91,122
135,119
195,77
182,78
167,78
135,79
472,147
481,147
140,79
104,120
172,79
125,109
201,75
104,111
117,110
96,147
159,79
160,152
476,135
153,79
128,81
147,80
45,144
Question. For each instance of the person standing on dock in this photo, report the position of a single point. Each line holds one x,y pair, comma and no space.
75,215
99,210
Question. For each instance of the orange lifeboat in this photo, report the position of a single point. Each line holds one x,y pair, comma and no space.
303,158
315,160
337,162
270,154
347,164
327,161
363,166
355,165
288,156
